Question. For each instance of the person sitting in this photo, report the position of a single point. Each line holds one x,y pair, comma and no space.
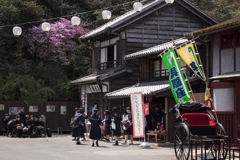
5,122
30,125
18,125
157,115
40,126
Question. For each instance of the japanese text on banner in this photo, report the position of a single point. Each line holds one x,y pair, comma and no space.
176,79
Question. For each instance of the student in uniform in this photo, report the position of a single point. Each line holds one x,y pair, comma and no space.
22,116
30,125
80,130
129,131
74,129
40,127
26,119
108,121
95,133
17,124
5,122
116,119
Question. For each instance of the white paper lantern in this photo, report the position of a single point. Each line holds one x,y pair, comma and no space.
106,14
75,20
46,26
169,1
137,6
17,31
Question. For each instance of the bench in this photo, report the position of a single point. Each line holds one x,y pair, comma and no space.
162,133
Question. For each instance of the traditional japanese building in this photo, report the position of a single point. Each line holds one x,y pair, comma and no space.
223,40
125,50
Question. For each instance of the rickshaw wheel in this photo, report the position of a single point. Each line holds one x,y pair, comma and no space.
182,143
223,145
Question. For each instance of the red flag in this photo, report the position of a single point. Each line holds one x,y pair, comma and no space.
146,109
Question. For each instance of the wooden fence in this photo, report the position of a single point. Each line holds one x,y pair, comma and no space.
54,120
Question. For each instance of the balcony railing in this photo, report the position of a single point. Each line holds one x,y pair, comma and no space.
107,65
158,75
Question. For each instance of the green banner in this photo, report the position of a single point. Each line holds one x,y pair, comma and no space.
176,79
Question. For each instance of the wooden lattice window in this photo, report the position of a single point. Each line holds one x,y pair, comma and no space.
227,41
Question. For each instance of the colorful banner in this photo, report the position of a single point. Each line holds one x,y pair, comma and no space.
176,79
188,54
137,114
146,109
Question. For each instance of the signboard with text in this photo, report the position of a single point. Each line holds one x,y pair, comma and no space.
137,114
95,88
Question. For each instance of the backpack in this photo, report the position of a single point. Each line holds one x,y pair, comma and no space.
10,124
74,122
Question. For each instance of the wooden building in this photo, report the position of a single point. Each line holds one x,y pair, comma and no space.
223,40
115,44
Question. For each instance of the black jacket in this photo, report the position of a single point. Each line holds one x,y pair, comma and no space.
16,123
5,122
22,118
157,116
30,123
40,123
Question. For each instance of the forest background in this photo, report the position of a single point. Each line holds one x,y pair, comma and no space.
39,66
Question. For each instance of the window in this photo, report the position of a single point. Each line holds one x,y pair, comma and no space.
227,41
223,99
156,68
108,57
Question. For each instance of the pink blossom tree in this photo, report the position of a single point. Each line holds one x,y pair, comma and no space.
54,45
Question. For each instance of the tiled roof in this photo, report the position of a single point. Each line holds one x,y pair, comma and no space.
89,78
155,49
93,79
116,21
149,88
215,28
123,18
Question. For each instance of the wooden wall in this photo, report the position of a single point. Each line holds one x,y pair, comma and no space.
161,26
54,120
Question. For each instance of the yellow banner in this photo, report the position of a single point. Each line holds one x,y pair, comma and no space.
188,54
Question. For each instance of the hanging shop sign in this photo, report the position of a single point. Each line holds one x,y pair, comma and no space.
137,114
188,54
146,109
176,79
95,88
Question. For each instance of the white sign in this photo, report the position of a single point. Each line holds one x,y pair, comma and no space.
137,114
95,88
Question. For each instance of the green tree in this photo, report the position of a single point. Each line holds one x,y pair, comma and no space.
26,88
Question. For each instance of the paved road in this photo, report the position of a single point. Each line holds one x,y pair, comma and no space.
62,148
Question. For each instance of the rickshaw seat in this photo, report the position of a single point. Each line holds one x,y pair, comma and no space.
198,119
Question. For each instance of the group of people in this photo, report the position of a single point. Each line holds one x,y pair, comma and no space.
33,124
96,121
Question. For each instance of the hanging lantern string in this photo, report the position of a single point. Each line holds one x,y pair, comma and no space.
11,25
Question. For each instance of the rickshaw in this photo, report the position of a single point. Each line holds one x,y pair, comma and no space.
196,124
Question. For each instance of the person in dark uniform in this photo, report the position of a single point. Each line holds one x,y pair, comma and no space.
22,116
95,132
74,129
108,121
17,124
157,115
5,122
40,127
80,130
30,125
117,131
27,118
129,131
